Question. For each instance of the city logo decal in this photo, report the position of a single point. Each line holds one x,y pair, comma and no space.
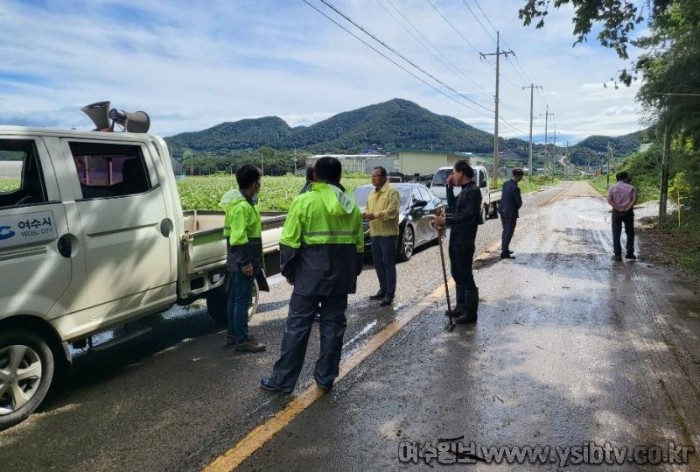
6,232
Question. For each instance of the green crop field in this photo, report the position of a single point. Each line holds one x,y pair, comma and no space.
276,194
8,184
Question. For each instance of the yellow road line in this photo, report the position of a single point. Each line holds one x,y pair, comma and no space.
266,431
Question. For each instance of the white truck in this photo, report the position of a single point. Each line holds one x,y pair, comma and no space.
92,235
489,198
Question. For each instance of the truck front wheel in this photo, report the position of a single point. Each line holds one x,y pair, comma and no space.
217,304
26,371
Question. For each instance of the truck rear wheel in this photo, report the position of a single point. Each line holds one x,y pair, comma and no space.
217,304
26,371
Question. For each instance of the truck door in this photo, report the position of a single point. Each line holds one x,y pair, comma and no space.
125,229
41,264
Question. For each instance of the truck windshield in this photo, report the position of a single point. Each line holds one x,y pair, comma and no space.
440,178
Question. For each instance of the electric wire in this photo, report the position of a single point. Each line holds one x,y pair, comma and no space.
423,40
396,63
478,20
456,30
350,20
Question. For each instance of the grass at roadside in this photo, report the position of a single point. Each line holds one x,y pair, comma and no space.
672,245
533,184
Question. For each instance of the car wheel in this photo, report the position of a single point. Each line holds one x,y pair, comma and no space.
26,371
217,304
406,243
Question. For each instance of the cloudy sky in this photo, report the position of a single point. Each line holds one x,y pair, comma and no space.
194,64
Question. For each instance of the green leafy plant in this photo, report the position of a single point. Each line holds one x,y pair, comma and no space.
680,188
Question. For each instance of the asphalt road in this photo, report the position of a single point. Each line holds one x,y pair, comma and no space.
570,348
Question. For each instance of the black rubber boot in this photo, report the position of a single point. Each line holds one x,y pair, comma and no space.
471,307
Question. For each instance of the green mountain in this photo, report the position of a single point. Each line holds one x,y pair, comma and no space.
591,148
393,125
390,126
226,137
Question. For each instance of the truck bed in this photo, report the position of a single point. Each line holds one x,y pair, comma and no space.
205,238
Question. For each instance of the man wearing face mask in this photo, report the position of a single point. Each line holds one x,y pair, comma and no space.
242,228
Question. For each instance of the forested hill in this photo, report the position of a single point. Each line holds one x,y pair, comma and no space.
594,146
389,127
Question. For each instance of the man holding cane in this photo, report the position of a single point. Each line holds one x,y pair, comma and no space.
463,218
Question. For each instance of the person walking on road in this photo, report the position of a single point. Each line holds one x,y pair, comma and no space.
622,197
464,221
509,209
383,214
321,255
242,229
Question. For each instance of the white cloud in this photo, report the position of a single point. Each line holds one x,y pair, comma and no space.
192,66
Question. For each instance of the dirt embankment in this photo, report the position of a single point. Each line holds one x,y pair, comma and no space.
677,250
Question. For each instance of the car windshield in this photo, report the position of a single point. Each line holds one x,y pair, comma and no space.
362,194
440,178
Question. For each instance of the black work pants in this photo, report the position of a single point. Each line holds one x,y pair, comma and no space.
461,258
509,222
618,218
302,310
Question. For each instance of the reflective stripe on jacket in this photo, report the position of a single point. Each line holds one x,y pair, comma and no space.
322,242
242,228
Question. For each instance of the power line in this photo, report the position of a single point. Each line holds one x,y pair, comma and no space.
477,19
517,130
439,56
453,27
396,63
485,15
347,18
526,78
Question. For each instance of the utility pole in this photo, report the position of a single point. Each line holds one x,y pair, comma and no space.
546,143
495,128
554,151
532,87
663,191
607,174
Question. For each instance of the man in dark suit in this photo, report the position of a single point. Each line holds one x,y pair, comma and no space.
508,208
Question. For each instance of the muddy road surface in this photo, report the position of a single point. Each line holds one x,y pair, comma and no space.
586,358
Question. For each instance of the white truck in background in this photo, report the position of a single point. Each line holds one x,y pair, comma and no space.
489,198
92,235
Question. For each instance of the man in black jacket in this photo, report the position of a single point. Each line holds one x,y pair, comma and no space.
464,221
508,208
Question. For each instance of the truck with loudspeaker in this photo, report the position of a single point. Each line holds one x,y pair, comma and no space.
92,236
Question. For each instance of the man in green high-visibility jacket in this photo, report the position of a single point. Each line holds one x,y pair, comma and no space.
321,255
242,228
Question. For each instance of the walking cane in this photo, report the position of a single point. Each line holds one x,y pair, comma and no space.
441,235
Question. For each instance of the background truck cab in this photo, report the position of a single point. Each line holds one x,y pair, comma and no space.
489,198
